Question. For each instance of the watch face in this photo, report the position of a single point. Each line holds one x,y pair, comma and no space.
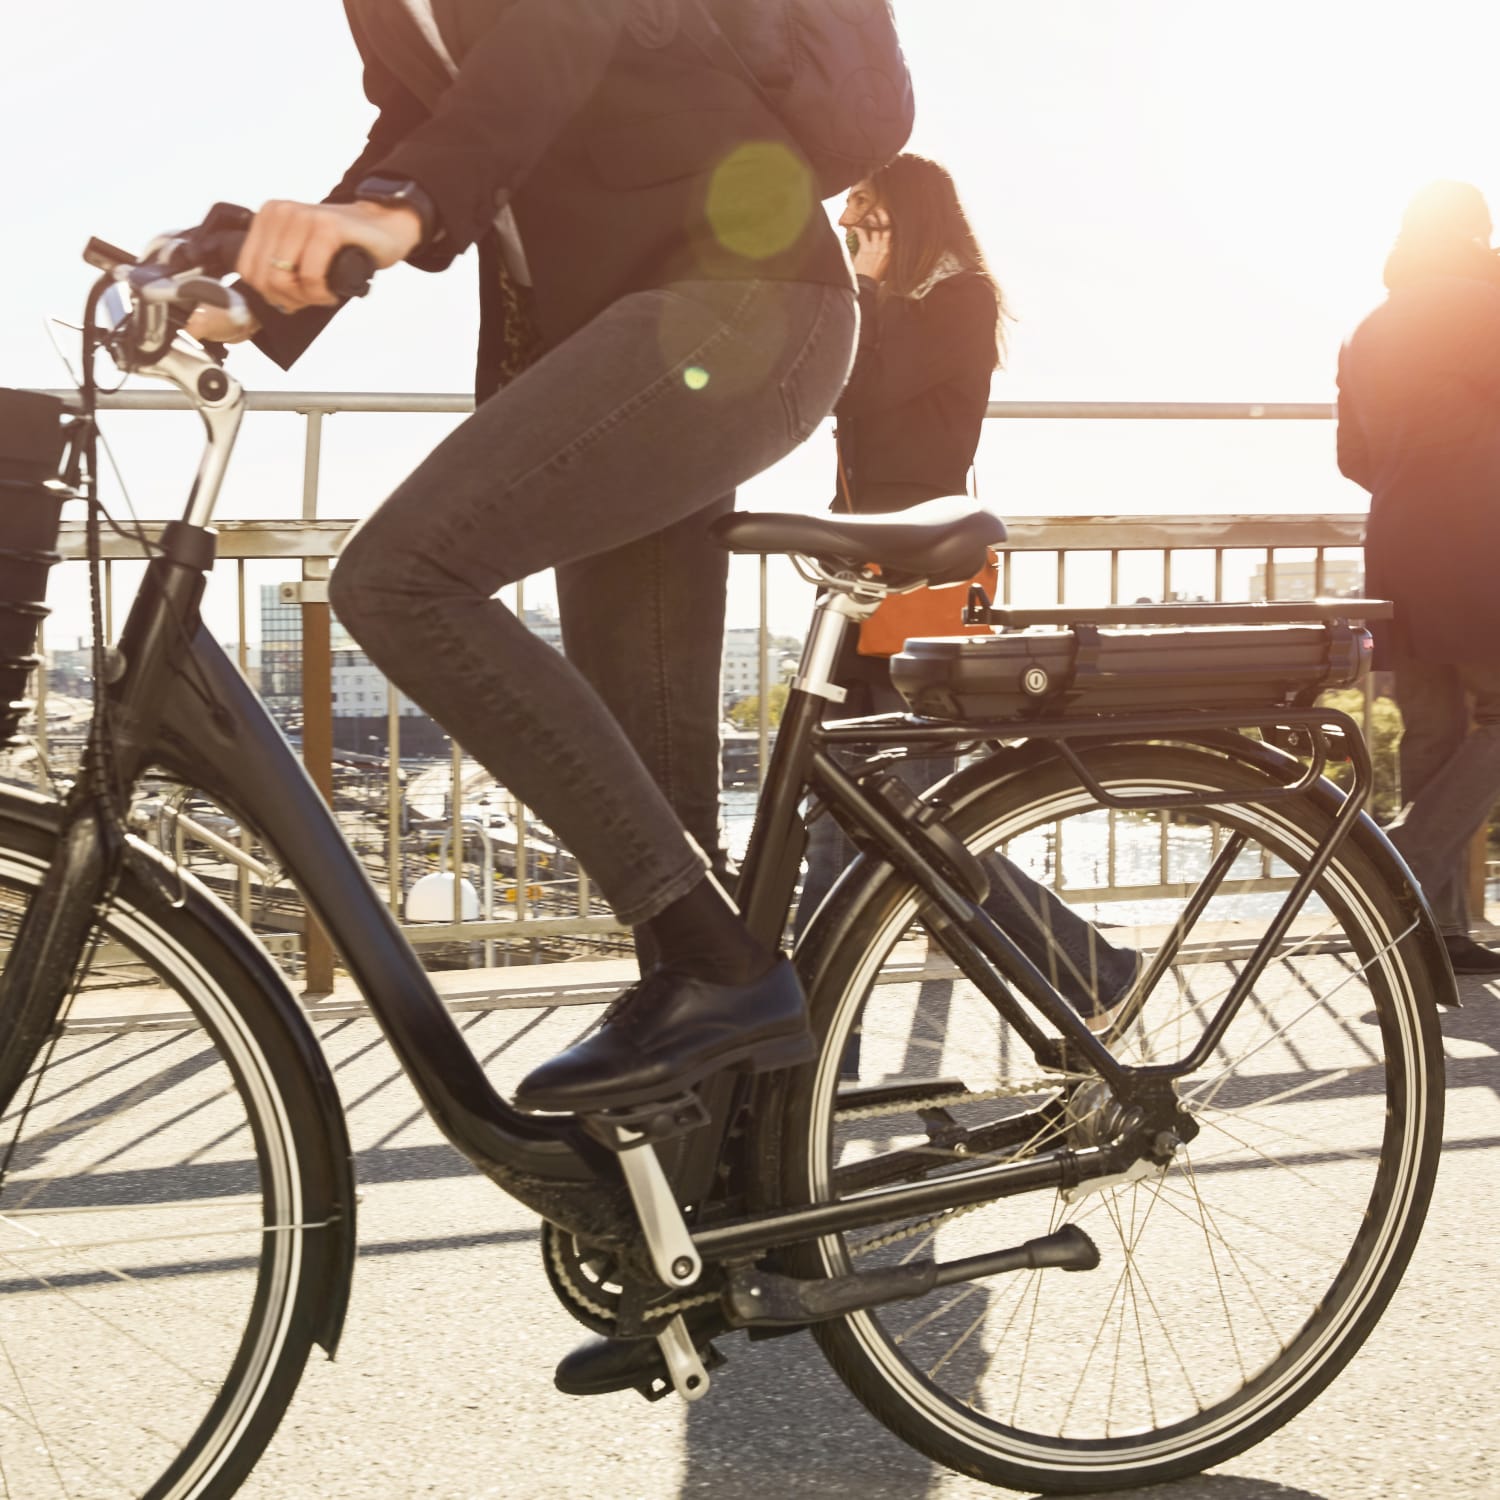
383,187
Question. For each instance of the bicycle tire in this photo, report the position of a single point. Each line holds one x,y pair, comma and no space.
1390,936
197,1130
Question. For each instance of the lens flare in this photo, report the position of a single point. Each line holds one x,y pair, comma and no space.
760,200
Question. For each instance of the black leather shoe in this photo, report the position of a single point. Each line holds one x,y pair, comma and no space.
671,1031
601,1366
1469,957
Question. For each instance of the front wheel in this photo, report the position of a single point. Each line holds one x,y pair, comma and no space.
174,1223
1237,1281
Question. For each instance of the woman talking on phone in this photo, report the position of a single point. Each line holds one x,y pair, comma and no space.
932,334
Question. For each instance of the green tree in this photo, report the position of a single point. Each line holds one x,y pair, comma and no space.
1385,740
746,713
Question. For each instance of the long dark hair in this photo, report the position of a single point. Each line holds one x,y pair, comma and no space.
928,222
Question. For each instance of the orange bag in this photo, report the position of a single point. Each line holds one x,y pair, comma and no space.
926,612
922,612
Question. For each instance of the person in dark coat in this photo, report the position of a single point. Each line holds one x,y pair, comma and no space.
932,322
931,336
666,312
1419,427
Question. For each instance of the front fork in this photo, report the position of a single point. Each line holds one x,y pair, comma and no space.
51,947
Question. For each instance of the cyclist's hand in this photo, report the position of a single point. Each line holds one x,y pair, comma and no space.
216,325
289,246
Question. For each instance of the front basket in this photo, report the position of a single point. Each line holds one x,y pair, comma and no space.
32,439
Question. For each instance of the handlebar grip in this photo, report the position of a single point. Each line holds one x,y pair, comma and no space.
216,244
350,273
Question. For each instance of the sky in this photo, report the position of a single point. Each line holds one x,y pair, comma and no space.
1183,199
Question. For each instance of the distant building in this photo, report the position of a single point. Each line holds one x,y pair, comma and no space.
742,663
1343,577
360,689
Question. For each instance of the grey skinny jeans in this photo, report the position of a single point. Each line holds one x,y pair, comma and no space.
607,460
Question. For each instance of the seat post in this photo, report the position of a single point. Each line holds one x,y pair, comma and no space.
768,876
835,615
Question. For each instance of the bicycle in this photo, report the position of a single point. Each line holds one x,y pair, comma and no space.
1253,1138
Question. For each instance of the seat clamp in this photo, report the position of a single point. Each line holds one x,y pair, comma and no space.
829,690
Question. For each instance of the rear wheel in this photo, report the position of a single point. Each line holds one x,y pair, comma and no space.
163,1214
1234,1283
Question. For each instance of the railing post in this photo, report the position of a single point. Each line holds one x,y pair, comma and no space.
763,642
393,794
43,759
317,694
242,656
1479,853
317,739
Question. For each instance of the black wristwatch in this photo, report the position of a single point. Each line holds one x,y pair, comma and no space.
400,192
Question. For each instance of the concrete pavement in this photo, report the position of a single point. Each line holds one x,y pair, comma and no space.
442,1387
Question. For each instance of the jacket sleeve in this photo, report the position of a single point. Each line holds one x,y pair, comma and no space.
518,86
285,338
954,335
1353,451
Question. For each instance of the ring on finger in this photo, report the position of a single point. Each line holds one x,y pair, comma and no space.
283,265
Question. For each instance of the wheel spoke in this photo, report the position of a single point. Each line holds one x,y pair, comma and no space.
1217,1269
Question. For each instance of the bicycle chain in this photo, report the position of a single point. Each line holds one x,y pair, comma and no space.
940,1101
869,1112
944,1101
608,1314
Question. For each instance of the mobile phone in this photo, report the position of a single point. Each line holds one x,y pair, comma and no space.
851,239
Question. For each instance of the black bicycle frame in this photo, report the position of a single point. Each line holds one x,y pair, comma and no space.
176,702
182,706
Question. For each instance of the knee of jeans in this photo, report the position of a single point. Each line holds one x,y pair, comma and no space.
367,580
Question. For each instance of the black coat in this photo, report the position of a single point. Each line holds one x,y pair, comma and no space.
910,418
631,160
1419,427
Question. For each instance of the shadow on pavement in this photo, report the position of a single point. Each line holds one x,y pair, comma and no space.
779,1422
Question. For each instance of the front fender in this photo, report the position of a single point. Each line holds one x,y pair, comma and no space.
218,939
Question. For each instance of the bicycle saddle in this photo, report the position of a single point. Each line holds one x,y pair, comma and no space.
943,541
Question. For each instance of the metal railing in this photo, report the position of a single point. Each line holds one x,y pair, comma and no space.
571,912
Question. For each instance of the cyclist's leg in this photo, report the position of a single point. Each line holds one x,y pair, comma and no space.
665,399
644,624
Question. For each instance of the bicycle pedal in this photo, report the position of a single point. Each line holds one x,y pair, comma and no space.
661,1120
658,1387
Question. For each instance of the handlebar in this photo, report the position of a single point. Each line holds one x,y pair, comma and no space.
213,249
183,271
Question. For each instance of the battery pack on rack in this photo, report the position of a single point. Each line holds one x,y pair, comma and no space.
1093,669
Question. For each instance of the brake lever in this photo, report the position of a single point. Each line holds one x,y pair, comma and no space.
189,290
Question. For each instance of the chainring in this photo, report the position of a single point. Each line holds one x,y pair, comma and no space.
582,1279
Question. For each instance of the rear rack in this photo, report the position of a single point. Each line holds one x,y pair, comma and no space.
1276,612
